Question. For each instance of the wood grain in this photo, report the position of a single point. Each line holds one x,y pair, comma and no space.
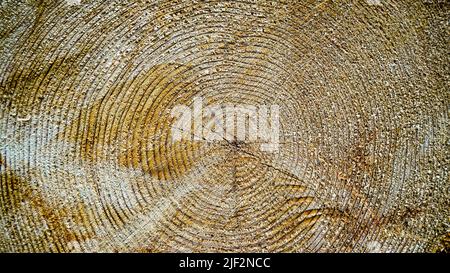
86,158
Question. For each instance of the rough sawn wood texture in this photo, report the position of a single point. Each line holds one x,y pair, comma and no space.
86,160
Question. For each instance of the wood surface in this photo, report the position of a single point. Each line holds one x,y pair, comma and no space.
86,158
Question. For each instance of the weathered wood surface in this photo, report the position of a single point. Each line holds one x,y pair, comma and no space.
86,161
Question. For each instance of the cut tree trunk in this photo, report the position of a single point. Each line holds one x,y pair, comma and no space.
88,160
